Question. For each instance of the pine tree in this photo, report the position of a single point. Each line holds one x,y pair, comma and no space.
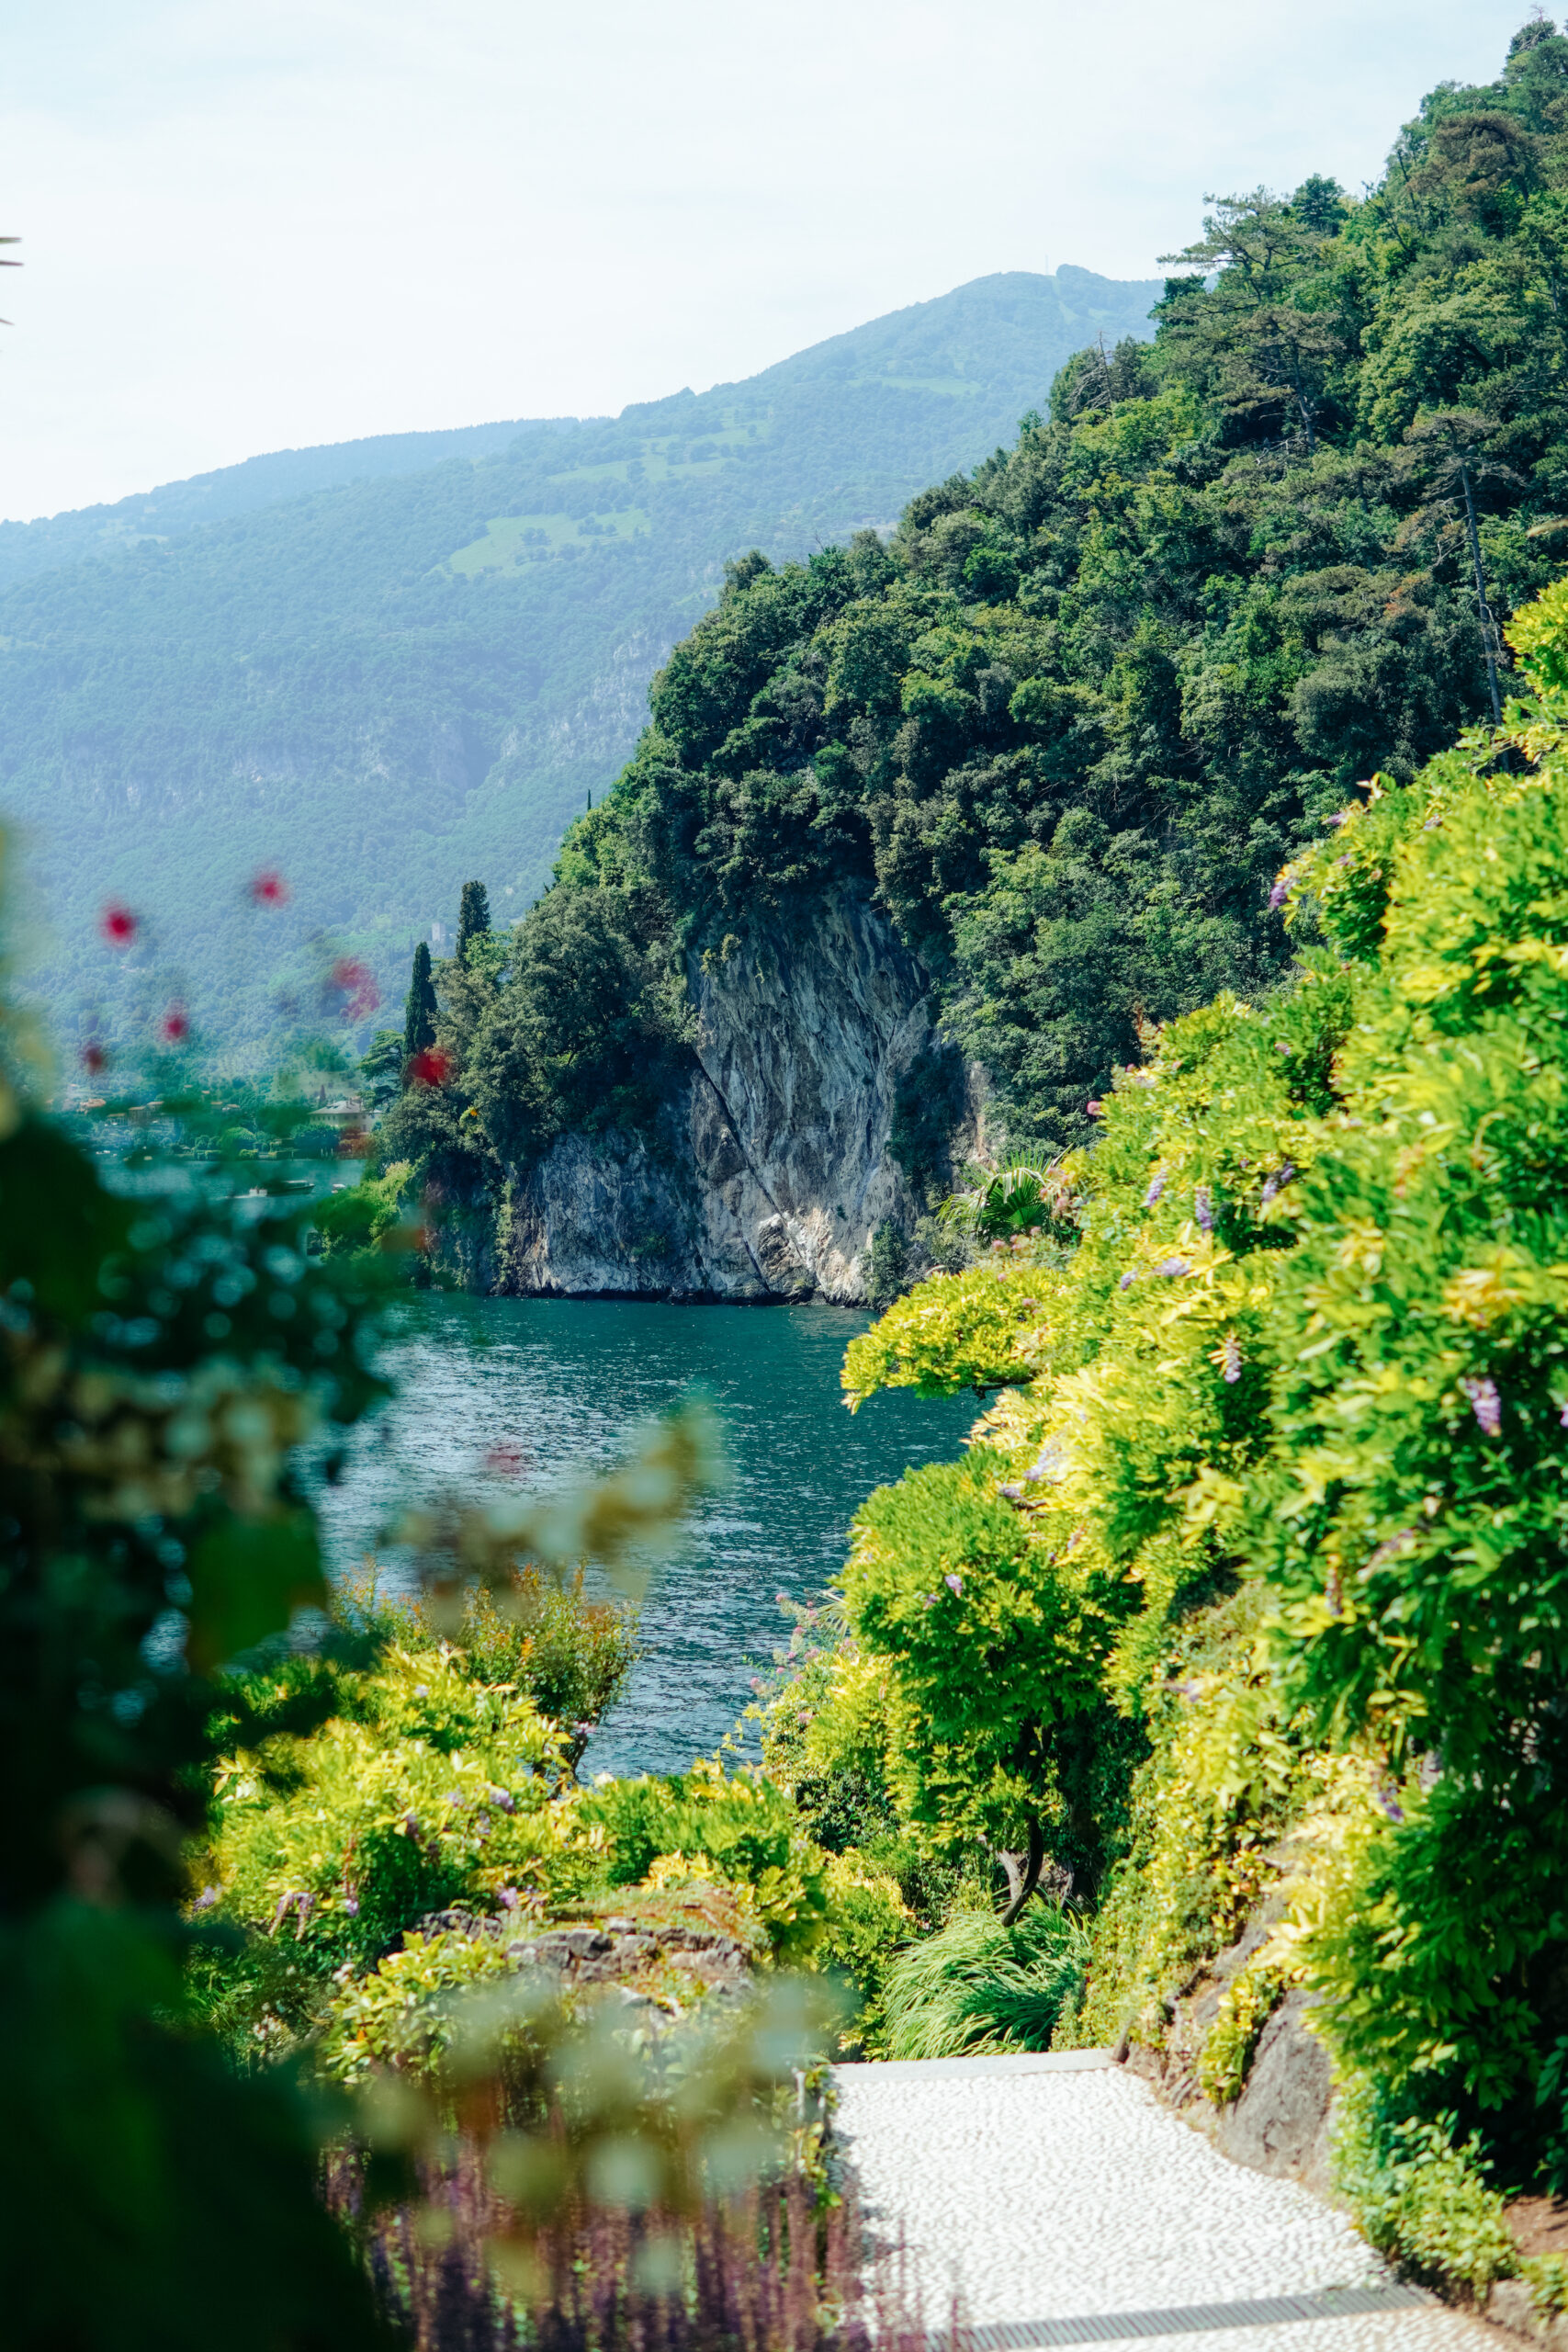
419,1019
473,917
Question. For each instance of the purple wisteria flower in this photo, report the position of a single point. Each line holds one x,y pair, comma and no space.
1168,1267
1126,1282
1391,1805
1279,1179
507,1897
1156,1187
1233,1364
1485,1404
1281,1047
1562,1419
930,1600
954,1584
1279,894
206,1899
501,1797
351,1905
1203,1207
1340,816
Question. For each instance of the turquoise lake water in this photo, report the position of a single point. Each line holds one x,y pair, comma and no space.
564,1383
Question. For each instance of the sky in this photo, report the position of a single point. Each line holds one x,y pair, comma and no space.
265,227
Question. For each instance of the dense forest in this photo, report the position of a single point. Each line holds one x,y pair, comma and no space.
381,669
1071,720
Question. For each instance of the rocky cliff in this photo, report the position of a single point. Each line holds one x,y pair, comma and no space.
767,1172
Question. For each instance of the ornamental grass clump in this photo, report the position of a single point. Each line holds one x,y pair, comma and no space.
979,1985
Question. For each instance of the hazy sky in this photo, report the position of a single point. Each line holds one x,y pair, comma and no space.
255,227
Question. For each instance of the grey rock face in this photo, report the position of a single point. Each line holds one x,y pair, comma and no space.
768,1171
1280,2124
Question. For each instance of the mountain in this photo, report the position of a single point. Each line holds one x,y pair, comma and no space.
384,667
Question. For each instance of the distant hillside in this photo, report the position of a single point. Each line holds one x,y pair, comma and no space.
388,665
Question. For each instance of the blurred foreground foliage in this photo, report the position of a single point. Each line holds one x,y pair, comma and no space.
172,1355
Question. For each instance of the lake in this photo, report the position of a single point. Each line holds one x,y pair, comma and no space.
562,1383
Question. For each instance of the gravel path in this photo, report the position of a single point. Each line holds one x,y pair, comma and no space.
1058,2188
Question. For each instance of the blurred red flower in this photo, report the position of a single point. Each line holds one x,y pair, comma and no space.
431,1067
353,985
175,1027
95,1060
270,889
118,924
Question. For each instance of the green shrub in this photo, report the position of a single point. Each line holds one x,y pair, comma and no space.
362,1215
1421,2195
571,1655
1246,2006
868,1923
438,1788
737,1827
405,2011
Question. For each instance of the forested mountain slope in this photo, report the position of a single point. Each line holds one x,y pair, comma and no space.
414,672
1066,731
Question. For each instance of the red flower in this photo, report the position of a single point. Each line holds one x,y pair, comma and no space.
95,1060
353,985
175,1027
270,889
431,1067
118,924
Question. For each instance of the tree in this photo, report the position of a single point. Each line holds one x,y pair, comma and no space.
473,917
419,1019
1453,445
987,1656
1269,337
382,1067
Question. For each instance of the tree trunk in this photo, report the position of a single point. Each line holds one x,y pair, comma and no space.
1023,1872
1485,610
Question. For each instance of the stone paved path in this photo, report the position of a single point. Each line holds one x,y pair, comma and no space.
1057,2187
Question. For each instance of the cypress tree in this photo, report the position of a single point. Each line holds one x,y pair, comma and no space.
473,917
419,1017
